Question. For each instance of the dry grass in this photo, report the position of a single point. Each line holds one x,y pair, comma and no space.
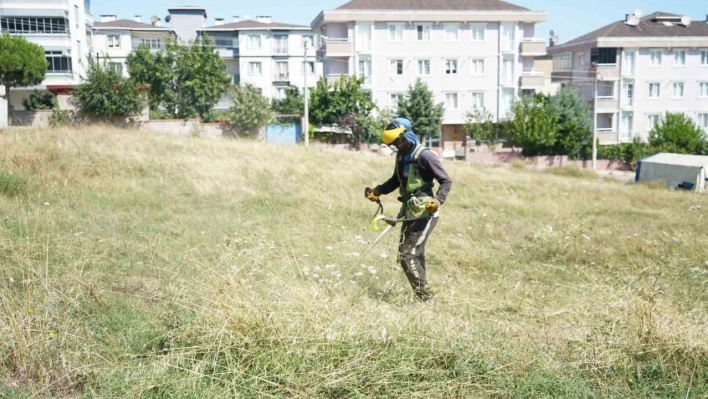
136,265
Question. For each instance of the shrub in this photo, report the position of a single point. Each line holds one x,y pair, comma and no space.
59,118
214,116
106,93
677,133
40,99
250,112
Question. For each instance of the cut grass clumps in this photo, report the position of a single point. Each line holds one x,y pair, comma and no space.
12,184
571,171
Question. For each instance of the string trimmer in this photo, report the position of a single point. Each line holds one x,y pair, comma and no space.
383,224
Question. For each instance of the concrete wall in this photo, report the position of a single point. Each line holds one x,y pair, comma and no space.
3,112
181,127
542,161
38,118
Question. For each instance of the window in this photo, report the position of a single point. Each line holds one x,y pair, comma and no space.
254,68
450,67
423,33
80,52
424,67
679,57
703,89
282,73
655,58
76,15
704,57
152,44
113,41
478,67
479,32
432,141
678,90
451,32
627,125
254,42
397,67
87,6
654,90
224,43
116,66
280,93
628,94
365,70
580,64
653,121
478,100
280,45
603,56
309,67
25,25
58,63
395,32
395,98
703,121
451,100
307,42
563,62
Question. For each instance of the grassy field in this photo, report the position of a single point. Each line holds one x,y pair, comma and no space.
138,265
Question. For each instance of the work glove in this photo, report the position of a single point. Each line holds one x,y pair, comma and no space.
432,206
371,194
391,221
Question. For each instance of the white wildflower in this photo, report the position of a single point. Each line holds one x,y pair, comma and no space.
372,270
354,254
332,266
306,270
358,237
586,237
383,334
384,256
305,255
46,204
316,269
329,247
358,274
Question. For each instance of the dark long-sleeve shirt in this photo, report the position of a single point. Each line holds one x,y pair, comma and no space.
430,168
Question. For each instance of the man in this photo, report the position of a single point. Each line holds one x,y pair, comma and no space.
415,169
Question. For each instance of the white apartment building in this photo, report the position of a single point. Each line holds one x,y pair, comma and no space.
114,39
265,54
476,53
61,27
637,69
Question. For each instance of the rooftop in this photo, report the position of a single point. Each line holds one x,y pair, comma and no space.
431,5
254,25
127,24
658,24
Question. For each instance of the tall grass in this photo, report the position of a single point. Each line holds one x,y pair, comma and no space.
141,265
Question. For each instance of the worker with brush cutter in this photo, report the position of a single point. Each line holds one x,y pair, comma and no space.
416,168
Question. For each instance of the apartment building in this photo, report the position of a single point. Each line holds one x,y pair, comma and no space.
61,27
476,53
636,69
265,54
114,39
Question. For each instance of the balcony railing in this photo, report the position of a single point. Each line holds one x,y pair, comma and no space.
336,48
533,47
281,77
280,49
532,79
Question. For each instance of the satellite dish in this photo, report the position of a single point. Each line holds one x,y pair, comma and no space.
168,18
638,13
154,19
555,39
685,21
552,33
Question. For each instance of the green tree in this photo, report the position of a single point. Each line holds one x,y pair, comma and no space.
480,125
292,104
155,69
250,112
419,107
106,93
574,122
679,134
21,64
40,99
534,126
187,80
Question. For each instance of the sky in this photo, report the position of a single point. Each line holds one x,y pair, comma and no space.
568,18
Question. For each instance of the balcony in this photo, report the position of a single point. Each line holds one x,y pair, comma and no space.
280,49
336,48
281,77
333,78
533,47
235,79
606,71
533,80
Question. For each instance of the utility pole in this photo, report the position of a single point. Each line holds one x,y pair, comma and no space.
594,124
306,119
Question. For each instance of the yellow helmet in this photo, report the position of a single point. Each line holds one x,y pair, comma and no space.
392,132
